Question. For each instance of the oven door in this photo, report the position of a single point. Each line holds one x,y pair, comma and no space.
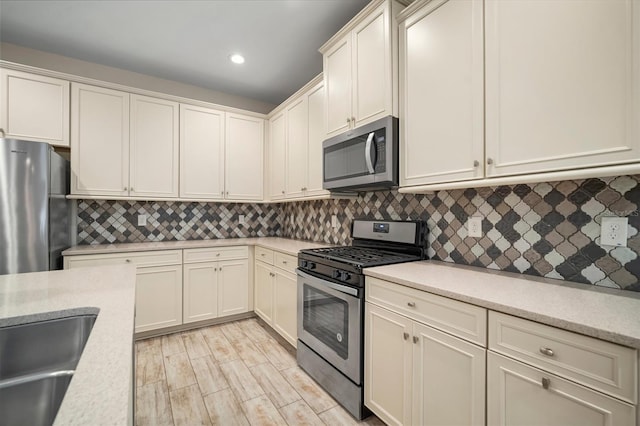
330,322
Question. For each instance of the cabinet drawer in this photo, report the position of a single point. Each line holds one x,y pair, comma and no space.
285,261
604,366
264,255
215,254
461,319
141,259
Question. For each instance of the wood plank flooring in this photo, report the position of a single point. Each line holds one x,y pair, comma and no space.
229,374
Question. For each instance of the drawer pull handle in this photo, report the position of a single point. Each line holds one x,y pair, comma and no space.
545,383
406,336
415,339
262,254
284,262
128,260
411,304
217,254
546,351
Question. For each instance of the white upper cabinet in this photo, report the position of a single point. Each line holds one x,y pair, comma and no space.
99,141
297,140
561,91
277,156
154,147
563,84
201,153
244,157
441,82
33,107
360,69
317,134
116,151
296,132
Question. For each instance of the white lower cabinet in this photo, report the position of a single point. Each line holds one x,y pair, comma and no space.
276,291
175,287
158,297
415,374
519,394
215,288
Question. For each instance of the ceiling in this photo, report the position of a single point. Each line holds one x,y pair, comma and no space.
188,41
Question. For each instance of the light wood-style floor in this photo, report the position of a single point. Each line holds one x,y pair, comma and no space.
229,374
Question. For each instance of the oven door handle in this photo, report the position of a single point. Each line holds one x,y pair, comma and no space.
367,153
338,287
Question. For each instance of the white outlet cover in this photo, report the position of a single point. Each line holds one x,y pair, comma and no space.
241,219
613,231
334,221
474,227
142,220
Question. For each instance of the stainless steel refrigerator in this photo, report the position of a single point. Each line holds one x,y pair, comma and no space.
34,212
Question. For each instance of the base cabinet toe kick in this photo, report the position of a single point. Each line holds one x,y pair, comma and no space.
432,360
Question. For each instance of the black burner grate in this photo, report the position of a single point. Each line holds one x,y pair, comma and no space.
362,256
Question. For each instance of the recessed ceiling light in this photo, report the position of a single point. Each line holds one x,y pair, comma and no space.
237,58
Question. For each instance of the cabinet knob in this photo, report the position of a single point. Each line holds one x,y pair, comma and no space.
217,254
411,304
284,262
128,260
416,339
348,121
132,190
545,383
405,335
476,163
353,120
125,188
283,192
262,254
546,351
2,132
227,192
489,161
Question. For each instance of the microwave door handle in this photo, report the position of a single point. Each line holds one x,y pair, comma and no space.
367,152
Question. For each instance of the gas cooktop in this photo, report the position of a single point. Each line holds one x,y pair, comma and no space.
362,256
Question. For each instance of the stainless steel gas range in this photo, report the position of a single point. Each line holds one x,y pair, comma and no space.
331,303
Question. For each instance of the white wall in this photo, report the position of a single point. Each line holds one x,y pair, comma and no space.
37,58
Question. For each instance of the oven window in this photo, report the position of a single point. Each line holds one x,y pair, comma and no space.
326,317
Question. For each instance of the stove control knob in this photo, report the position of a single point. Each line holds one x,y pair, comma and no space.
304,263
336,273
311,265
344,276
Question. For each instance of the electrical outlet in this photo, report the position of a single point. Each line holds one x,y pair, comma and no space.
142,220
334,221
613,231
241,219
474,227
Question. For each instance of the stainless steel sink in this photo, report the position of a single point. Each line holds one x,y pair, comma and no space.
37,362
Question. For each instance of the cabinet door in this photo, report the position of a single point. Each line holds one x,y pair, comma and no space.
562,84
297,139
337,78
244,157
154,147
448,379
233,287
442,135
99,141
285,309
317,134
200,295
387,365
372,67
263,300
518,394
34,108
201,153
277,156
158,297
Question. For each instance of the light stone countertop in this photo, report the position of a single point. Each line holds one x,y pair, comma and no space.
608,314
285,245
101,385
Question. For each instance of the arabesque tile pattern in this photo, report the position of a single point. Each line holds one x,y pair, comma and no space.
545,229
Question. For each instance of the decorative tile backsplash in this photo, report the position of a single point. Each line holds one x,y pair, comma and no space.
546,229
103,222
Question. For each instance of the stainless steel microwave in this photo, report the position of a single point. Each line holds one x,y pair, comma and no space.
364,158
